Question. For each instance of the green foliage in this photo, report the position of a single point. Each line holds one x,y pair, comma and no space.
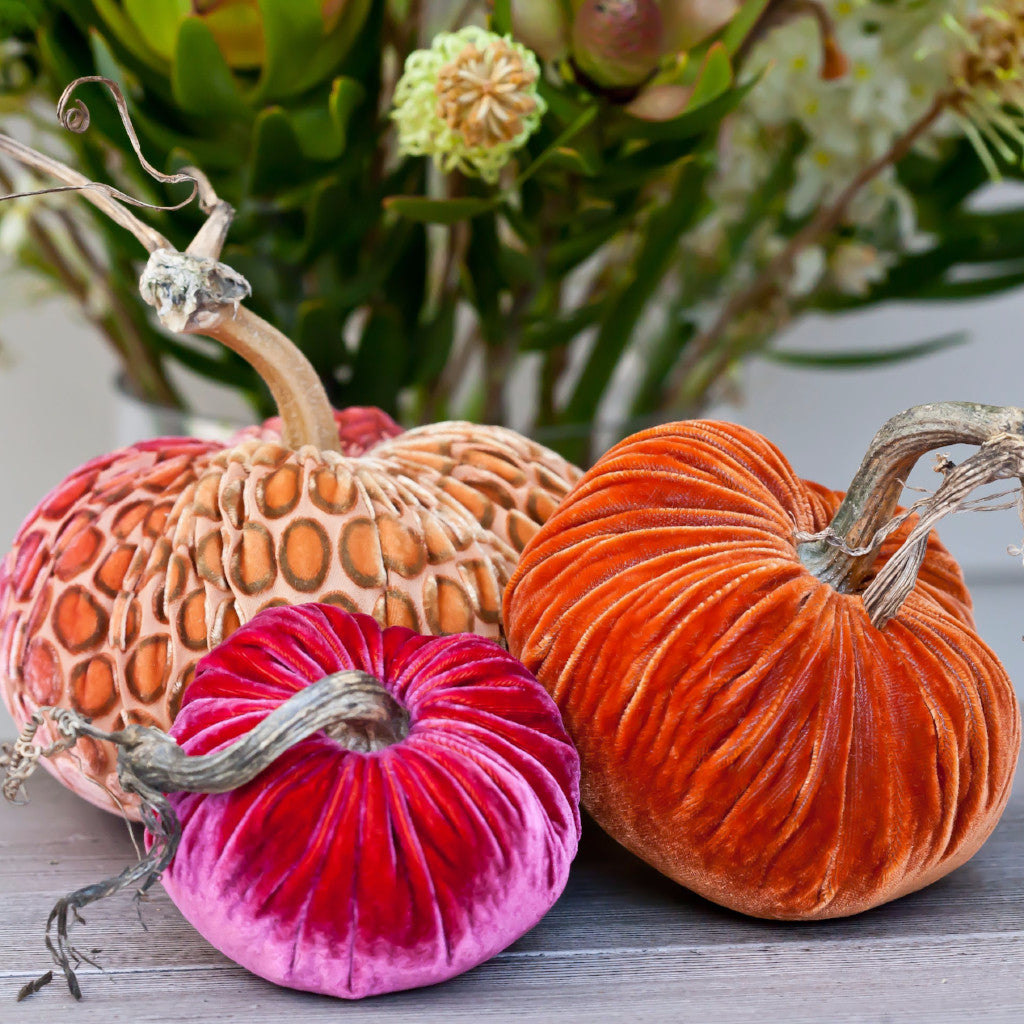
424,292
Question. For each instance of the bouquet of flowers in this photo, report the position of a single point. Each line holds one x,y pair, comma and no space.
551,214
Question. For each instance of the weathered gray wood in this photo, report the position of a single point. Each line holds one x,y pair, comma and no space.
622,944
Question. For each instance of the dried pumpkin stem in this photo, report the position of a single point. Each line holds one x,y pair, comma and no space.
845,555
192,291
352,707
1001,458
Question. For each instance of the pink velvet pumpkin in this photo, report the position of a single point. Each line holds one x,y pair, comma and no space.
353,874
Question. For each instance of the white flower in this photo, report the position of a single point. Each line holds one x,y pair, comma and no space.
855,266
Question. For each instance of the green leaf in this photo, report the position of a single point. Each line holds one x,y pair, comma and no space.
328,208
581,121
438,211
482,279
298,52
322,130
501,16
738,29
276,155
318,335
585,242
434,341
861,358
158,20
714,79
383,344
201,80
19,16
549,334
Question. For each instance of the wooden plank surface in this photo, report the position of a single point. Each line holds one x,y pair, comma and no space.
623,944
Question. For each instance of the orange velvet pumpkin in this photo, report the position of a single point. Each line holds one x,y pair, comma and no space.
741,724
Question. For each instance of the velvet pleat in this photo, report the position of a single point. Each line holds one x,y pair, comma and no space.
353,874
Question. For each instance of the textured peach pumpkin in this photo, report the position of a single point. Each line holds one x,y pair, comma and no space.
743,726
144,559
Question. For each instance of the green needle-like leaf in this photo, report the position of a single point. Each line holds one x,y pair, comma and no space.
861,358
438,211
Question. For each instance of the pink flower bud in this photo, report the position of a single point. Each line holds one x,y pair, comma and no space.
617,43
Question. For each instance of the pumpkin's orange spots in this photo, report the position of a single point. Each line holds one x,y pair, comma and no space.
94,754
305,555
155,523
178,688
112,570
495,491
59,504
78,620
481,579
136,716
232,503
170,475
332,491
157,561
552,483
437,461
253,566
447,605
210,558
279,493
148,669
79,554
473,501
272,455
7,638
93,690
192,620
132,623
130,517
360,553
32,556
395,608
225,622
540,505
497,464
340,600
437,540
40,610
401,549
205,501
520,529
160,605
42,673
274,602
177,574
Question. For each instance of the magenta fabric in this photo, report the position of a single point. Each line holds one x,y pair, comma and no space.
353,874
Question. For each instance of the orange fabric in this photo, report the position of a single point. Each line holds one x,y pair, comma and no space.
741,725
